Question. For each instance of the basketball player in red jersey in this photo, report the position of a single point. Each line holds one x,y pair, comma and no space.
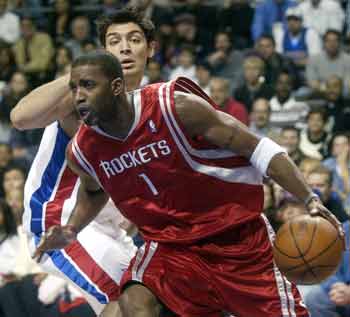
130,37
190,178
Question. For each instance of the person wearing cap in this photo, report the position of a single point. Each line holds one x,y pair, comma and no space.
297,41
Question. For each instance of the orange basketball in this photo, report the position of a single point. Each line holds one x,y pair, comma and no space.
307,250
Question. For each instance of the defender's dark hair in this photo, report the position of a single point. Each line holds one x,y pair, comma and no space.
108,63
9,224
125,15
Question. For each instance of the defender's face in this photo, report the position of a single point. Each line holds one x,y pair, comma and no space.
92,93
128,43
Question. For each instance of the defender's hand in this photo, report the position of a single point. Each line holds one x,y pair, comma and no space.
316,208
57,237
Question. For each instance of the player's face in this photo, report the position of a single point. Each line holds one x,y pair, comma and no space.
92,93
128,43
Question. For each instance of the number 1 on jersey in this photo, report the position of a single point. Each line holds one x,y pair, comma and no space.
149,183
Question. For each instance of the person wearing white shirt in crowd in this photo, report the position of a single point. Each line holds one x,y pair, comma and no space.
9,24
297,41
322,15
285,110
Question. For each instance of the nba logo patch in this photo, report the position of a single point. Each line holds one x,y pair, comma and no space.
152,126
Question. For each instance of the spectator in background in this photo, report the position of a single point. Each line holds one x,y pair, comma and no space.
260,120
285,110
15,200
320,179
63,60
275,62
332,61
60,21
268,15
25,145
9,24
9,243
332,297
288,210
220,93
338,107
225,60
307,165
13,184
204,17
254,85
17,88
188,34
14,178
314,139
290,140
203,76
29,7
34,52
322,15
186,66
7,63
153,73
81,31
339,165
5,161
296,41
269,208
89,46
236,17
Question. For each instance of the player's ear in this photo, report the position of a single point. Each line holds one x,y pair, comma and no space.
117,86
151,49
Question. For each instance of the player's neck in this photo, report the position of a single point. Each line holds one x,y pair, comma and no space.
119,125
132,83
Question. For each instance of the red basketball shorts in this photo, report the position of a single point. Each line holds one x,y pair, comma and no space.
232,272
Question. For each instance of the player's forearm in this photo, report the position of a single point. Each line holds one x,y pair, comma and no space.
88,205
43,105
284,172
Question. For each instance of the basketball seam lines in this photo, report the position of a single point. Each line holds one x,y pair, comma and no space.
301,254
298,256
310,260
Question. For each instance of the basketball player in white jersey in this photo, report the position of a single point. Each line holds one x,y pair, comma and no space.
96,261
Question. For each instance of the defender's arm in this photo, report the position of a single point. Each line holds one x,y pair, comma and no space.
45,104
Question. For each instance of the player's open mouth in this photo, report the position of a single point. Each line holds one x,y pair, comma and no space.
84,112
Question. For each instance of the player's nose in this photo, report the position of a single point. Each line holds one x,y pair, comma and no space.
79,96
125,46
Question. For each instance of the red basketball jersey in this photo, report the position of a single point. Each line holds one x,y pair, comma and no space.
173,188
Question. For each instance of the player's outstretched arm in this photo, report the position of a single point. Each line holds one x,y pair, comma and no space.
200,118
45,104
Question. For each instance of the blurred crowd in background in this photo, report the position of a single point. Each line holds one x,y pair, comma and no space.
282,67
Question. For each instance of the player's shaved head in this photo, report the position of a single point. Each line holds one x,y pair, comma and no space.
107,62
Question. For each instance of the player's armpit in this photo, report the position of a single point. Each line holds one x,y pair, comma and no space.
200,119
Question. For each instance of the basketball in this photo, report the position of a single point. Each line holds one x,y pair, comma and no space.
307,250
